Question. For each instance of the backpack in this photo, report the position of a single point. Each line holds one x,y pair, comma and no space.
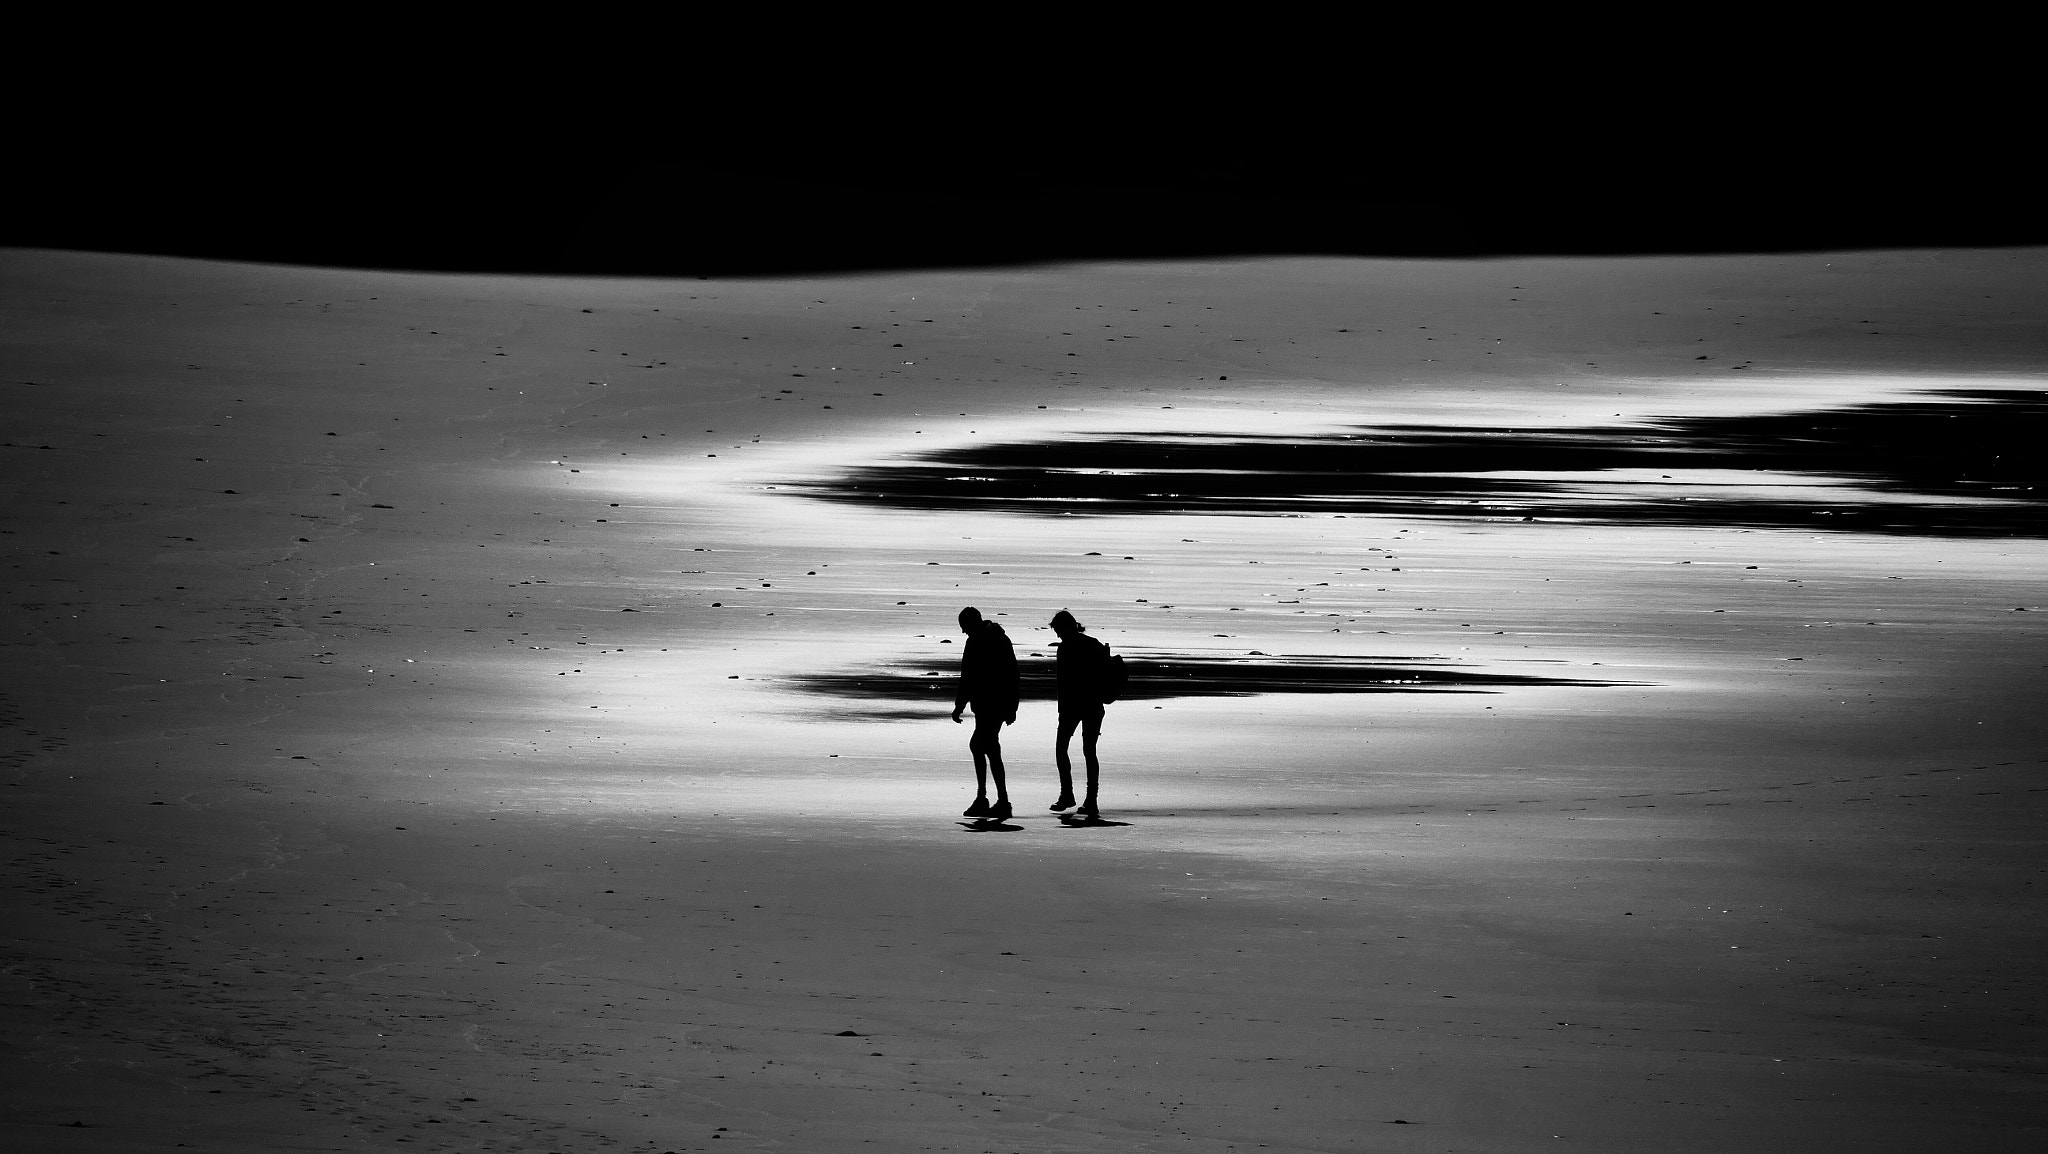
1113,677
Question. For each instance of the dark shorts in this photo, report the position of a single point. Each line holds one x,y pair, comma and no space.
1085,718
988,732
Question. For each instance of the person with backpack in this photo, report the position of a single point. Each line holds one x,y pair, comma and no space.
1086,672
988,681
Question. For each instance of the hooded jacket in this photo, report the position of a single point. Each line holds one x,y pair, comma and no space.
988,673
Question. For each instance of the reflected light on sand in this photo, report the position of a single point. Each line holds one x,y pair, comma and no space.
752,590
754,484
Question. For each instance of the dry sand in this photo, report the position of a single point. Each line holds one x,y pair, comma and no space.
380,775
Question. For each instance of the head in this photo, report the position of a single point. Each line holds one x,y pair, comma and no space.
970,619
1063,623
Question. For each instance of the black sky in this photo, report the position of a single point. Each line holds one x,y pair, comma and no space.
472,207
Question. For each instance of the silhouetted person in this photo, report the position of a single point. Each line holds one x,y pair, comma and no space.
1083,665
988,681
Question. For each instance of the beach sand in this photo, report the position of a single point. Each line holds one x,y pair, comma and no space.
406,743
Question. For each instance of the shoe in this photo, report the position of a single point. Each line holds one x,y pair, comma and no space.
1088,810
1000,811
1066,801
978,809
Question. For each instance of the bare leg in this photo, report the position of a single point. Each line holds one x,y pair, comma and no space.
987,745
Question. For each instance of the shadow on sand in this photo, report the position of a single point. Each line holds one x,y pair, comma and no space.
1070,820
1963,464
1082,821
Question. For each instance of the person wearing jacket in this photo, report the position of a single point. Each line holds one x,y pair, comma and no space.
1081,666
988,682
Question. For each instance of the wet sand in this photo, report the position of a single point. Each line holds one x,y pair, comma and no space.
413,735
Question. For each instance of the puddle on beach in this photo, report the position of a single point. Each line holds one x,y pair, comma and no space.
1959,463
1158,676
